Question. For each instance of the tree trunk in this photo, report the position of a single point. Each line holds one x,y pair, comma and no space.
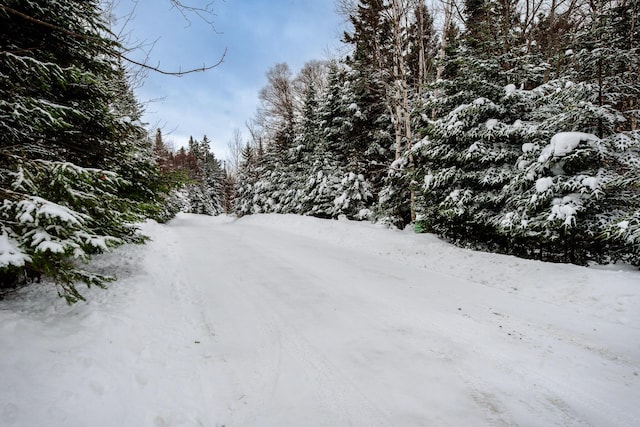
448,12
400,88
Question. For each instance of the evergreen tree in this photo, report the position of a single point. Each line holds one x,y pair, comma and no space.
248,176
316,197
527,145
575,197
369,77
472,135
334,185
214,176
229,194
577,192
605,54
200,178
172,181
275,191
69,137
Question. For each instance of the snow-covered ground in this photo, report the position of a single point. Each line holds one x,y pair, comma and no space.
295,321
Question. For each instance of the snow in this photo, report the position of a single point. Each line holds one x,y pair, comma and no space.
421,144
510,89
48,245
458,109
528,147
543,184
340,200
491,123
565,208
43,207
427,181
398,164
564,143
43,241
592,182
507,221
10,253
288,321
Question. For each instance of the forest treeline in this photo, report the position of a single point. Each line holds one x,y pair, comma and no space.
509,126
513,128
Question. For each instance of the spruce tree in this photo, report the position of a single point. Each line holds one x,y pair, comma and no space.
248,176
577,192
472,136
369,76
69,140
172,179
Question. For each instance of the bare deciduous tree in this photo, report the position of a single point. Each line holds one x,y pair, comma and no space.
234,152
312,75
277,100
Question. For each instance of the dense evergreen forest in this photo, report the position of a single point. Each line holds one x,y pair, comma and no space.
509,126
514,129
75,173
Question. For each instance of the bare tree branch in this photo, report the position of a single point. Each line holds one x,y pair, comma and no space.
144,65
205,13
178,73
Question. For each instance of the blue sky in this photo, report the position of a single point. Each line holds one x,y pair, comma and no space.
256,33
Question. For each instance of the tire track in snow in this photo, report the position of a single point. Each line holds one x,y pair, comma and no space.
338,400
304,269
344,401
553,395
298,272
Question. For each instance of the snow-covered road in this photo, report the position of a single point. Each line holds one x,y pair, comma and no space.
292,321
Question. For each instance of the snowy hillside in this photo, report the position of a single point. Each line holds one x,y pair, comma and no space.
295,321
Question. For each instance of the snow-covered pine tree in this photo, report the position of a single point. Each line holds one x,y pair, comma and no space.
275,189
248,177
310,165
67,123
170,181
229,194
577,194
204,190
216,176
472,136
370,65
422,52
196,191
316,195
606,53
335,185
132,159
575,197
